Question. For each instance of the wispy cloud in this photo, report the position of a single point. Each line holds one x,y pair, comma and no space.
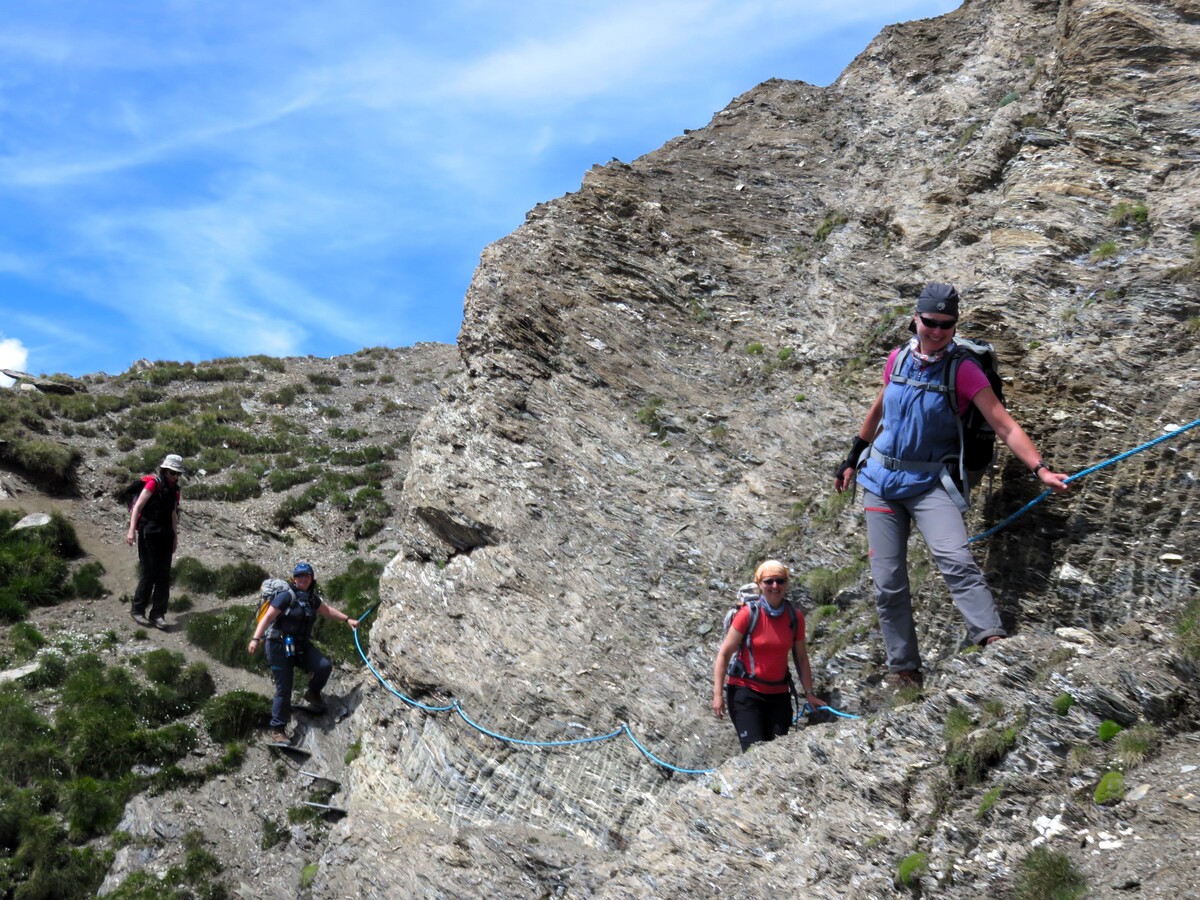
187,181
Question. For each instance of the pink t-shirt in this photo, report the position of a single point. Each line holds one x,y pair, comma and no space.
971,380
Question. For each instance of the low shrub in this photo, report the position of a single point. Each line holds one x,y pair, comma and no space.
1045,874
86,583
1135,745
25,640
1187,632
1107,730
223,635
42,460
236,715
912,867
1110,790
1063,703
231,580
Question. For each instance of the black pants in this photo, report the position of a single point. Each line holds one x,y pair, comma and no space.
757,717
155,549
283,670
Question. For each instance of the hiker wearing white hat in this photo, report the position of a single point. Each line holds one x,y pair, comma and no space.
154,525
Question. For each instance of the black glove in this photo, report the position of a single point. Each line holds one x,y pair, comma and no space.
857,446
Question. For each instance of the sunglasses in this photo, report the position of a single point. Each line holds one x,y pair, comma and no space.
934,323
771,582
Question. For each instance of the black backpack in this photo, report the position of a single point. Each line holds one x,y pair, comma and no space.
129,494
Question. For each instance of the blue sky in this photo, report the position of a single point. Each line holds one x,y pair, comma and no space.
187,180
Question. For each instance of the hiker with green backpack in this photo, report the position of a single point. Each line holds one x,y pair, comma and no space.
751,677
910,457
287,624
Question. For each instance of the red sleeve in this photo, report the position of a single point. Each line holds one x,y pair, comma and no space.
887,367
741,619
149,482
971,381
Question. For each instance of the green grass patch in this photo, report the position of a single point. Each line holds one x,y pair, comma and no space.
1062,703
912,867
230,580
1187,631
1134,746
989,800
1045,874
1107,730
1110,790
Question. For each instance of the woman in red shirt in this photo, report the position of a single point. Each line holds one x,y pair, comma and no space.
751,675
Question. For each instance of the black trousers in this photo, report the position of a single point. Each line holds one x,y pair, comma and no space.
757,717
155,549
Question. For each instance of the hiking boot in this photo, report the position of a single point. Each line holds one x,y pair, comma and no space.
279,736
159,623
314,700
141,619
987,641
913,678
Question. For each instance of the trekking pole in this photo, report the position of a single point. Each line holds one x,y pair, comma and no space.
1088,471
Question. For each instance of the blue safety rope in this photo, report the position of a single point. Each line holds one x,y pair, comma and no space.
456,707
1088,471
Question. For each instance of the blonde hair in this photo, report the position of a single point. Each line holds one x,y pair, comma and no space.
769,567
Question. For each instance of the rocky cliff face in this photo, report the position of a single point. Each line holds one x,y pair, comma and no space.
664,368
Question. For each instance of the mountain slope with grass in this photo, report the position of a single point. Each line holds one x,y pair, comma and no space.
135,758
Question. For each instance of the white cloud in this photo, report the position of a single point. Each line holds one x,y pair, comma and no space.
13,355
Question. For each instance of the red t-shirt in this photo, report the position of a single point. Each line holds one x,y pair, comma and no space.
771,646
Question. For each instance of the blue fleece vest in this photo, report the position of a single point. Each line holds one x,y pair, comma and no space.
918,426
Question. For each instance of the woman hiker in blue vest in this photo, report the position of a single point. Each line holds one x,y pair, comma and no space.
757,686
154,525
905,480
288,625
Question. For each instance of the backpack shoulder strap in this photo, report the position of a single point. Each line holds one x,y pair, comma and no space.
897,378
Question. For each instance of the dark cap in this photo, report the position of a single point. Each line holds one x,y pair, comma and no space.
303,569
936,298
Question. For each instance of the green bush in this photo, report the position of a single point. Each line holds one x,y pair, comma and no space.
25,640
231,580
1063,703
353,592
33,565
94,807
284,477
1187,632
1107,730
51,672
42,460
86,583
990,799
241,486
236,715
1103,250
833,219
223,635
1126,213
28,749
1110,790
912,867
1046,874
1137,744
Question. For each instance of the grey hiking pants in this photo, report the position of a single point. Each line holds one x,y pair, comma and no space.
889,523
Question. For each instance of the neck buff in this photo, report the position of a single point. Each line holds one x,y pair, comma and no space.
773,613
926,359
